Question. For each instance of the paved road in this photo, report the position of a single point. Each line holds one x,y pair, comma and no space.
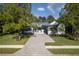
35,46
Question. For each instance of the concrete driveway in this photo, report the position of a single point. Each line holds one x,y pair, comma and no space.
35,46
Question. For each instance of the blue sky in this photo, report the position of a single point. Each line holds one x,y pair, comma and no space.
45,9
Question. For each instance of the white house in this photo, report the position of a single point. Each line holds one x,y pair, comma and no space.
61,29
46,27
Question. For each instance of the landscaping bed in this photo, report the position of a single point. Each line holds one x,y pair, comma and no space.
8,50
65,51
61,40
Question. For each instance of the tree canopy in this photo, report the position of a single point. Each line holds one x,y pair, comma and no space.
70,16
14,16
50,18
42,19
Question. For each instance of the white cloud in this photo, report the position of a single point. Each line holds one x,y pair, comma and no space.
40,9
49,7
54,7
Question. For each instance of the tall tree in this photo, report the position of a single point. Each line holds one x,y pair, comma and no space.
14,16
42,19
70,16
50,18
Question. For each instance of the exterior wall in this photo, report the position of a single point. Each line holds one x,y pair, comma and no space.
49,31
59,30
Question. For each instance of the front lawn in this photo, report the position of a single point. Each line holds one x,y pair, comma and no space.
8,50
10,39
65,51
59,40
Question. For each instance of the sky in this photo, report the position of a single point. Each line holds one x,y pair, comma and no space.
46,9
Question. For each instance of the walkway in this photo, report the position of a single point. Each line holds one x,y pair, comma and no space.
62,47
35,46
11,46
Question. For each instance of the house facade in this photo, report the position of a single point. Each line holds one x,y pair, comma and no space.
56,27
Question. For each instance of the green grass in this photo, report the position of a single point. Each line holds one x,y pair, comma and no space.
8,50
59,40
11,40
65,51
